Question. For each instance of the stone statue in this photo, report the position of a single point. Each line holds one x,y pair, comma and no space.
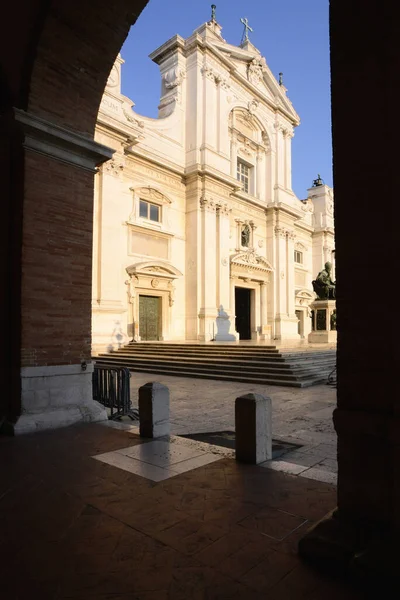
323,285
245,236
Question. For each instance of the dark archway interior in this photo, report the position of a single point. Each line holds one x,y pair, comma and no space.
55,60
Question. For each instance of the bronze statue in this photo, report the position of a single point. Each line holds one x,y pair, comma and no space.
323,285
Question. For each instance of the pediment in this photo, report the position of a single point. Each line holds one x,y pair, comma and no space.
154,268
251,259
151,194
304,296
253,67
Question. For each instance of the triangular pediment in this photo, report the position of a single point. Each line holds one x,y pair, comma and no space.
304,296
250,65
250,258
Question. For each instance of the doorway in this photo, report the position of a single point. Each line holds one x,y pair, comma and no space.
243,312
149,318
300,322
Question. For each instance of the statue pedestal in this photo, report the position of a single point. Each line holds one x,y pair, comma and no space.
223,328
322,331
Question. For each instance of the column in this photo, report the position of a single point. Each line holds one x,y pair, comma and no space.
263,309
56,372
239,224
280,279
260,176
279,157
288,158
223,293
290,298
209,109
233,156
253,228
208,309
362,535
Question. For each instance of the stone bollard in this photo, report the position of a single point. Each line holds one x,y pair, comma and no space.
154,410
253,423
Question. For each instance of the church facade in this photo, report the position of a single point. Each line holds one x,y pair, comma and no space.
195,221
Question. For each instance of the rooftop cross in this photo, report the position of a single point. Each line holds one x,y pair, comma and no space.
247,28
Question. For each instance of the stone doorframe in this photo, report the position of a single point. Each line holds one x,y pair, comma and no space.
249,270
151,278
303,299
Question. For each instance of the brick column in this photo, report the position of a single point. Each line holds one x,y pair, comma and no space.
56,275
362,536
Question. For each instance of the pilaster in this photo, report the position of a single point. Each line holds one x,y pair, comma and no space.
208,309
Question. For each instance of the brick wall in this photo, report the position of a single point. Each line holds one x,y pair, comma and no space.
56,259
55,57
78,46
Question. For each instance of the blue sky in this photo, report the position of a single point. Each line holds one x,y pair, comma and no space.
293,36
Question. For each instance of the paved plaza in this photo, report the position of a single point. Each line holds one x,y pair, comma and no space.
301,416
75,526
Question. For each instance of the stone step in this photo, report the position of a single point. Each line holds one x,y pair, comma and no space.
242,378
254,372
231,345
277,362
225,362
250,364
201,349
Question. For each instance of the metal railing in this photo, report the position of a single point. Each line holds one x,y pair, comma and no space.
332,377
111,388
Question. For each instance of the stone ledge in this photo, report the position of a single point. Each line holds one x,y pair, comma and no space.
57,396
90,412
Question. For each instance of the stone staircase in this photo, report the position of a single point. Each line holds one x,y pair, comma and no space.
248,364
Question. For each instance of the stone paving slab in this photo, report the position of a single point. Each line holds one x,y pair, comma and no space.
74,527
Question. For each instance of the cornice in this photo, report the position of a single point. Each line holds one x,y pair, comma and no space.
160,162
285,208
204,171
57,142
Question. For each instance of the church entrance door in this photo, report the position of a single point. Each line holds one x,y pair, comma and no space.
149,318
243,313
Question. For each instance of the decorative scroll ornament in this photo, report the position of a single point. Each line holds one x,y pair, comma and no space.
307,205
133,120
171,294
173,78
116,165
208,203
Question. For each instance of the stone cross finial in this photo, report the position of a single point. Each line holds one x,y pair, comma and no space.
247,28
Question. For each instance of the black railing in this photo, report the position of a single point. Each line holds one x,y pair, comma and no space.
332,377
111,388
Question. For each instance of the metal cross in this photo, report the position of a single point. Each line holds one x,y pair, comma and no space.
247,28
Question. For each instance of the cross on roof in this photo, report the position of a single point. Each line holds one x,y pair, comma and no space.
246,30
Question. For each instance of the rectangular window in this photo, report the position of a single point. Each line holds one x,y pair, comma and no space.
149,211
298,257
243,175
